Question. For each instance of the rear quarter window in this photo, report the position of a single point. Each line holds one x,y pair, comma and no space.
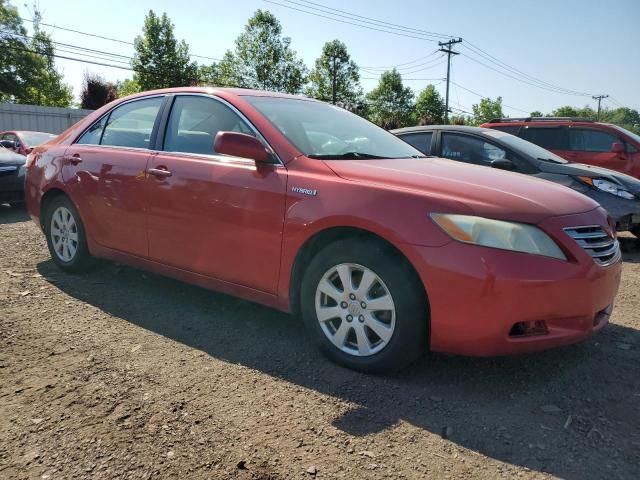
551,138
506,129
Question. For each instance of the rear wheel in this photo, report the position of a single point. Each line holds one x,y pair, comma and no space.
364,306
66,236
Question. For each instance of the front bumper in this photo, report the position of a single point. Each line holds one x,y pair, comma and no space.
11,184
477,294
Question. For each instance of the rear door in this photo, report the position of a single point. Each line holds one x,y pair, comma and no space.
104,171
213,214
594,147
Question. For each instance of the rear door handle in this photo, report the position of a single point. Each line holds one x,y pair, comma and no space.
159,172
74,159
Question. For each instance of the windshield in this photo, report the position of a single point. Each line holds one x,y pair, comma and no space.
320,130
528,148
634,136
33,139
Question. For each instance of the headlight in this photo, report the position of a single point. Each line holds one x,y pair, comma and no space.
609,187
518,237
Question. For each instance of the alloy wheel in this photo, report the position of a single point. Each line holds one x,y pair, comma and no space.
355,309
64,234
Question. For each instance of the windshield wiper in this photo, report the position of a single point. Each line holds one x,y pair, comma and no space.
347,156
550,160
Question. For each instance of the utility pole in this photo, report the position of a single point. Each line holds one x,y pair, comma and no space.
333,87
449,52
599,99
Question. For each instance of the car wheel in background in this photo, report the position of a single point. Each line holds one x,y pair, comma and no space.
365,306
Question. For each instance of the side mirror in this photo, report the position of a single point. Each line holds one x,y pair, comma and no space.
617,147
8,144
240,145
502,164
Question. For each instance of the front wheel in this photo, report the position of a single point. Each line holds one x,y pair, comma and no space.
365,306
66,236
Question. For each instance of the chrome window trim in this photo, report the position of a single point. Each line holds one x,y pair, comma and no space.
248,122
107,113
224,159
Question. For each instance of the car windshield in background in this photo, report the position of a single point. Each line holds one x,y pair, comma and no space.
627,132
521,145
33,139
323,131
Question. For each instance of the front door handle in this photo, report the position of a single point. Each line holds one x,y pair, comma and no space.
159,172
74,159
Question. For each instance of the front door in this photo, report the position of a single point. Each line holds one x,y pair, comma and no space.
594,147
105,174
211,214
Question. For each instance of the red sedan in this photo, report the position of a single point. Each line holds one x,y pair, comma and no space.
308,208
23,141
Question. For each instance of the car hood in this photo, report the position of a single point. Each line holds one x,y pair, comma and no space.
484,191
8,157
630,183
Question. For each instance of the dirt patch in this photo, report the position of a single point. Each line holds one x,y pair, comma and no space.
125,374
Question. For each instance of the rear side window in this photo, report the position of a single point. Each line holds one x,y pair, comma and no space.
131,124
470,149
551,138
587,140
194,122
512,130
421,141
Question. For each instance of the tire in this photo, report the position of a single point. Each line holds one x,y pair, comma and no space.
636,231
66,236
17,205
402,320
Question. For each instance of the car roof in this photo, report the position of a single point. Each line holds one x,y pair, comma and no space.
431,128
240,92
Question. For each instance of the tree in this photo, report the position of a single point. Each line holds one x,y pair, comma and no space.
262,59
161,61
536,113
335,77
568,111
27,70
390,103
45,84
127,87
429,109
486,110
96,92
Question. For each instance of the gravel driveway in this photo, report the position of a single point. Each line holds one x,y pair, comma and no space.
125,374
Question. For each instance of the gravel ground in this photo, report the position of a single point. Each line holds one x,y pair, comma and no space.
120,373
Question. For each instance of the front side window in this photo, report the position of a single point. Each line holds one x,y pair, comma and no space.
470,149
94,134
421,141
194,122
323,131
551,138
587,140
131,124
33,139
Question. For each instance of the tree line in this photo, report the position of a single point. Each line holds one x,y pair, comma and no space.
261,58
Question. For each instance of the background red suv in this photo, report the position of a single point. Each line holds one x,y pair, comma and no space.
578,140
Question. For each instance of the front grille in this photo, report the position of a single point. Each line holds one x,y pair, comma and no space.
604,249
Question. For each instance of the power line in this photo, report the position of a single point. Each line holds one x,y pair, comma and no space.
330,10
383,67
111,39
482,53
350,23
485,96
428,64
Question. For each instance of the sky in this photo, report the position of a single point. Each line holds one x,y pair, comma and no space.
587,46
